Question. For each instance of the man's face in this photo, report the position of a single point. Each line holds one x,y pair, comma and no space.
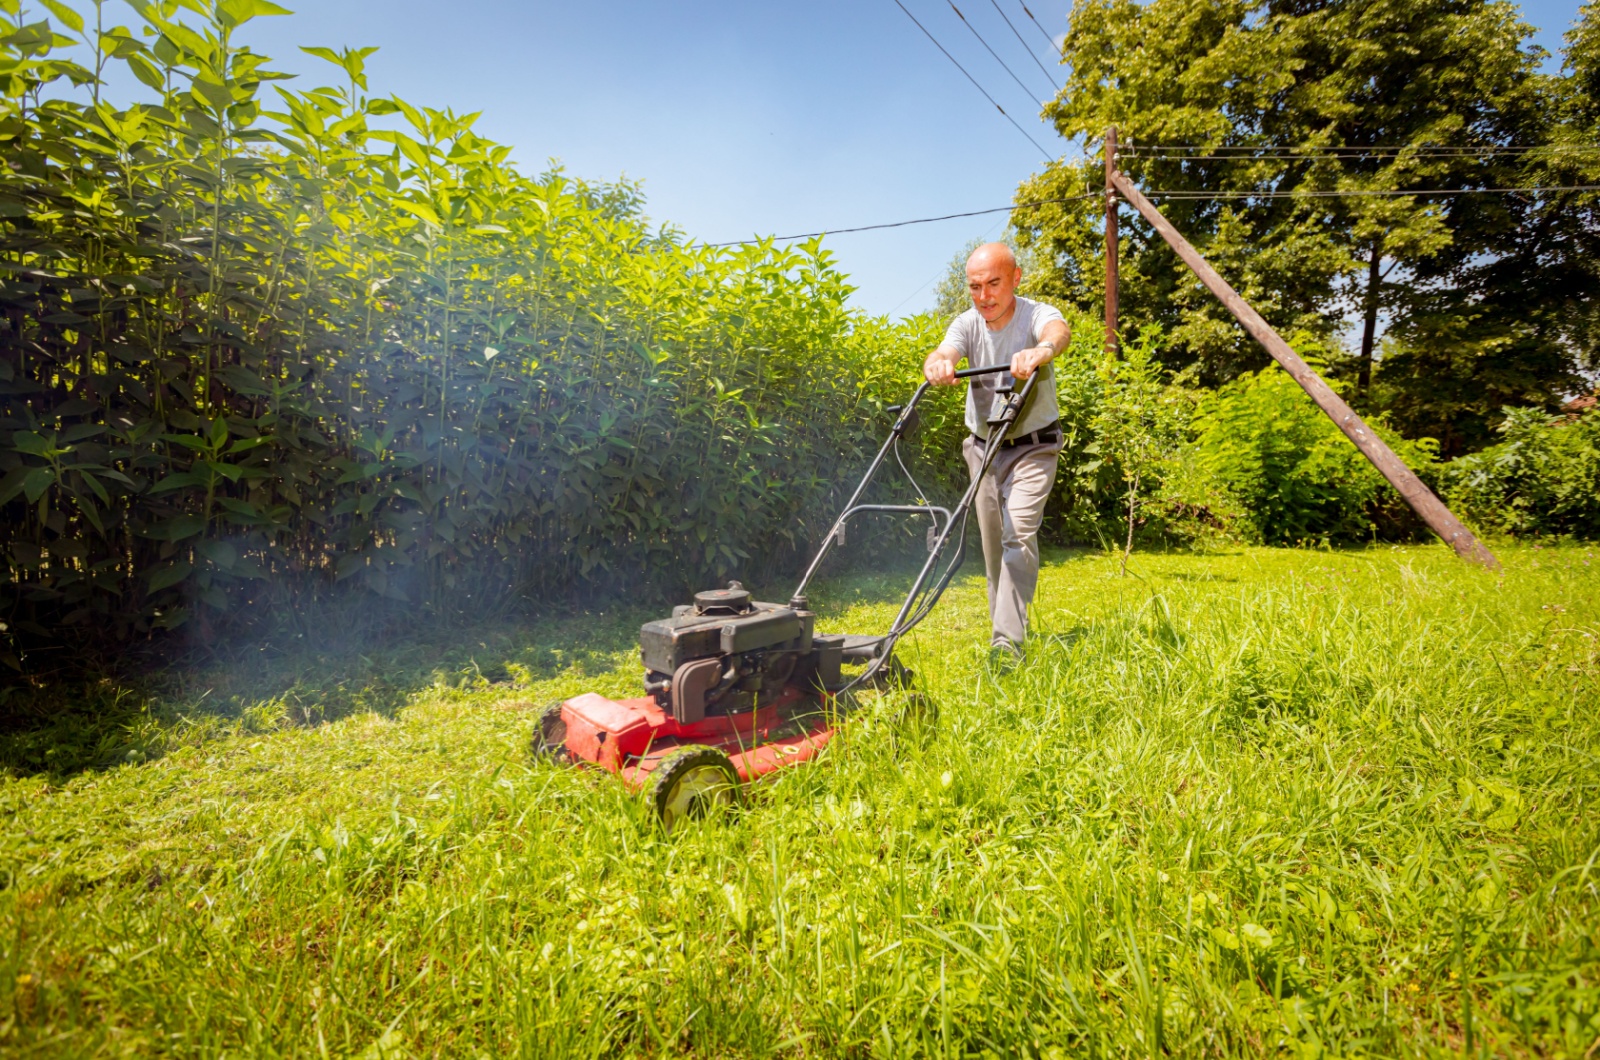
992,282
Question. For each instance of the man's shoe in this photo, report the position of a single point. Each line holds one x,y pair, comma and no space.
1004,656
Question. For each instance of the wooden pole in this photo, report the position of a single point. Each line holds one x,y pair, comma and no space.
1111,240
1401,477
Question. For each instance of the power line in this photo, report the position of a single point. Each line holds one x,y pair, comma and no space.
937,275
915,221
1357,194
974,80
1054,88
1042,30
988,49
1419,156
1168,194
1232,153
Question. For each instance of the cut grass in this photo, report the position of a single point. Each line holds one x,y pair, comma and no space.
1258,802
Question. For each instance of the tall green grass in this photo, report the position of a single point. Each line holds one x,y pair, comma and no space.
1244,803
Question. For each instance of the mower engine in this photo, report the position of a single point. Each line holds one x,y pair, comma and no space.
728,654
735,689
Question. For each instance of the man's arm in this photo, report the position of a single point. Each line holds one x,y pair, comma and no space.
940,367
1053,338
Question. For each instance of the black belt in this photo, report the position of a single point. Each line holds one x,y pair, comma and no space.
1046,435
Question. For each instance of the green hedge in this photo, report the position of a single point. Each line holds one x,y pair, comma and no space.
261,348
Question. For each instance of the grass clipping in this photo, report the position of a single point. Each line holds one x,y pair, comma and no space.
1261,802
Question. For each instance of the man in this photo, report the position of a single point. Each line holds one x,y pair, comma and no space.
1002,328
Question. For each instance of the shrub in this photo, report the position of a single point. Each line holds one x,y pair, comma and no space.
1295,477
1542,478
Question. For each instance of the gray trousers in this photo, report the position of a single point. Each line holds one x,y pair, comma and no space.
1010,507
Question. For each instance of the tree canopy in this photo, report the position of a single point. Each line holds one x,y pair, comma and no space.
1295,143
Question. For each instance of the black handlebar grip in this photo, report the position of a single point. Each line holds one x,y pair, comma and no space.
968,373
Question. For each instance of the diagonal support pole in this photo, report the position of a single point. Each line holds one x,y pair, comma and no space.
1412,489
1111,242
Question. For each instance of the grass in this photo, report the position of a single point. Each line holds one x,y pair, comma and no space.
1258,802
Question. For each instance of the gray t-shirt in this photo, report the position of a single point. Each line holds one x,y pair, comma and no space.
982,347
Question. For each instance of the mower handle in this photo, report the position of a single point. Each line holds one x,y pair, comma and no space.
968,373
902,413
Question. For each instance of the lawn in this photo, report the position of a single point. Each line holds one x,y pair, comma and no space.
1247,802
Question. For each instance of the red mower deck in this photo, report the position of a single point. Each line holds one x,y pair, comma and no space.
632,737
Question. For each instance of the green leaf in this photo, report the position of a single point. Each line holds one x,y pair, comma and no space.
70,18
233,13
90,512
94,484
422,210
146,72
221,554
208,92
176,39
12,484
1256,935
247,511
180,528
413,116
36,482
181,480
231,472
171,574
33,443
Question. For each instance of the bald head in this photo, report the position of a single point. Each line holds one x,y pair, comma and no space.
992,278
992,256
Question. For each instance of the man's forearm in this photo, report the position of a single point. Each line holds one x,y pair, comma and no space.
1054,337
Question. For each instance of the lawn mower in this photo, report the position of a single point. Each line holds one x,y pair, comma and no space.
736,688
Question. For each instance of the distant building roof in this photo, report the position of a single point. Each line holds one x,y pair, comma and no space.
1578,404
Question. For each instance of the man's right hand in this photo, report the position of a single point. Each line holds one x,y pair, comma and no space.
940,368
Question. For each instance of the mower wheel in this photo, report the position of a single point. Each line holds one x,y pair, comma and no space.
692,782
899,676
550,739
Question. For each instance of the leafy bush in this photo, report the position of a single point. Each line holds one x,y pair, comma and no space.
1294,476
343,351
1126,421
1543,478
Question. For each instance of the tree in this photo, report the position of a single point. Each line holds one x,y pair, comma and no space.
1277,96
1140,423
1506,315
951,297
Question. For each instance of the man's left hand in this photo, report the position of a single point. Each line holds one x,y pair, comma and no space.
1025,362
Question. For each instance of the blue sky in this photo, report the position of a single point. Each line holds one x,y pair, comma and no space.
742,118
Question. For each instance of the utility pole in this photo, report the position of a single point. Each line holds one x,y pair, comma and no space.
1111,240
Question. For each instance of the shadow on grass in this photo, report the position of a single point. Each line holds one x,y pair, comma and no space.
291,680
288,678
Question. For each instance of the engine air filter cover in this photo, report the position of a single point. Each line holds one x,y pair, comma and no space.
733,600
